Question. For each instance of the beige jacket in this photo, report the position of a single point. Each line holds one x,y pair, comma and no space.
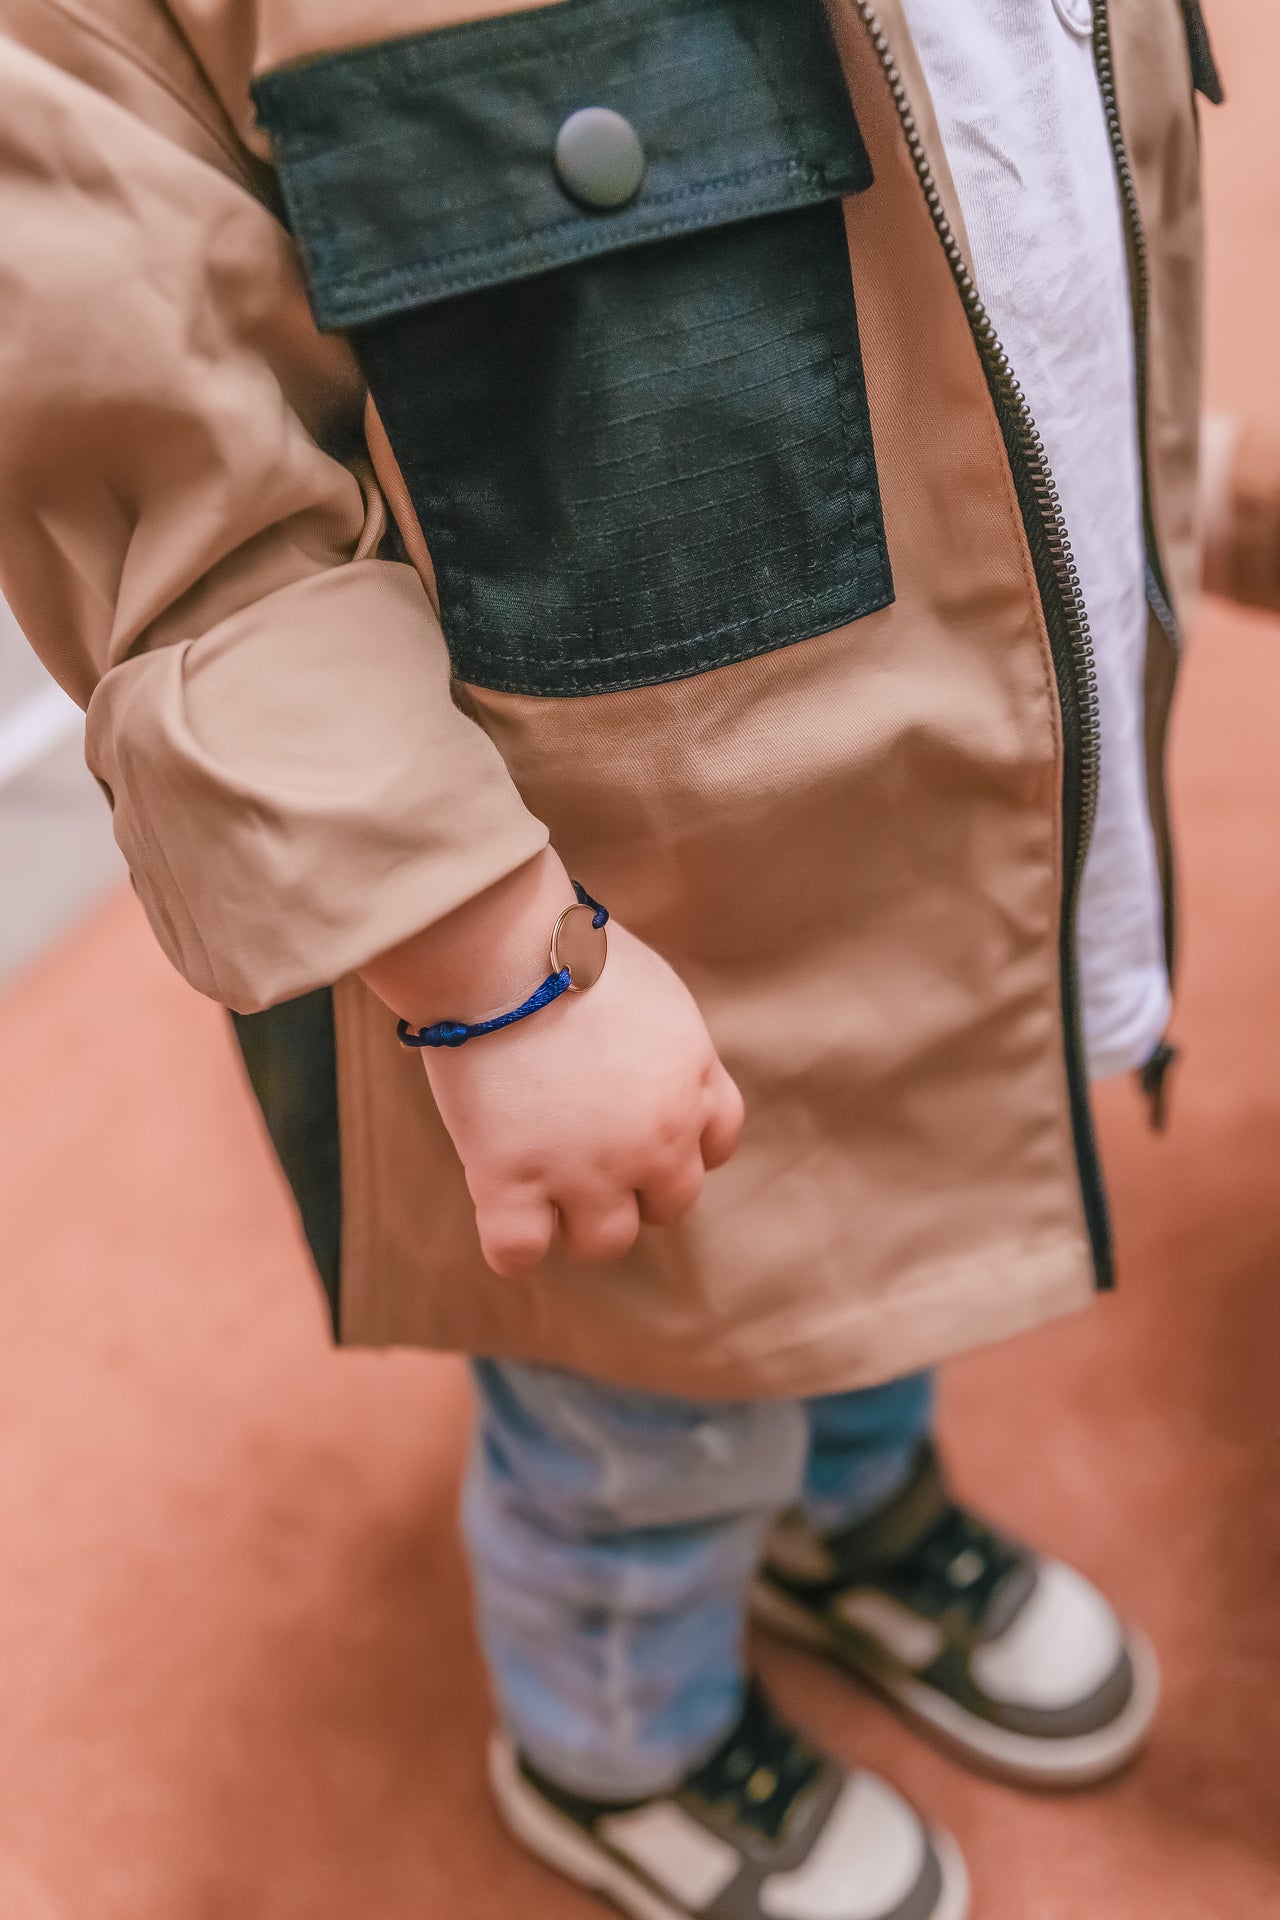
854,847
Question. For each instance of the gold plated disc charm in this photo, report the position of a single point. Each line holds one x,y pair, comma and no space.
581,946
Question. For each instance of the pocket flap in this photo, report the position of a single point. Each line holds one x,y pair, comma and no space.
425,167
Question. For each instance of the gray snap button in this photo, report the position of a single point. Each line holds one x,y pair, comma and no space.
599,158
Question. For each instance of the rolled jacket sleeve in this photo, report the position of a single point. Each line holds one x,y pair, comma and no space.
187,539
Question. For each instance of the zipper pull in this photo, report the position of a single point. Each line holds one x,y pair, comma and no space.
1152,1079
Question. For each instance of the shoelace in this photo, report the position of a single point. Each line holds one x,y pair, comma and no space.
959,1564
760,1773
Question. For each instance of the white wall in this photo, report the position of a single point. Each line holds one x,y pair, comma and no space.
57,856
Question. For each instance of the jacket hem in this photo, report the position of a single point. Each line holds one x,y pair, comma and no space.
963,1308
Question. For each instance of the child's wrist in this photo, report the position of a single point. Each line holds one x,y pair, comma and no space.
481,959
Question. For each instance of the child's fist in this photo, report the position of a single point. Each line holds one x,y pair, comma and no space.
603,1110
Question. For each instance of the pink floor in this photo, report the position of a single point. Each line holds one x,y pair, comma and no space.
237,1680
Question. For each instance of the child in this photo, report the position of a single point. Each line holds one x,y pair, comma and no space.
831,648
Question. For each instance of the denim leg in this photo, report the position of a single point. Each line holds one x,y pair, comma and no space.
861,1447
613,1536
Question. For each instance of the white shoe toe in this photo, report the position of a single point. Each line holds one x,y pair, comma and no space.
866,1863
1063,1645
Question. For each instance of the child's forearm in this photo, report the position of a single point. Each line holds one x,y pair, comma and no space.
483,958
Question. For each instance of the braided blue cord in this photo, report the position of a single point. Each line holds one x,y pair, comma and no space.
456,1033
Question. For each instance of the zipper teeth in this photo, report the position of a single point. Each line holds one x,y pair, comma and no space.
1063,606
1124,172
1047,498
1157,586
1139,267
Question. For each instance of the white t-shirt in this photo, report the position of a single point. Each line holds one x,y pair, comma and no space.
1020,112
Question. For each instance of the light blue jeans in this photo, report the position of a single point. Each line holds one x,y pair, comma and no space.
613,1537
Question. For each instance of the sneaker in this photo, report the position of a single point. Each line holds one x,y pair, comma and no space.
1017,1663
766,1829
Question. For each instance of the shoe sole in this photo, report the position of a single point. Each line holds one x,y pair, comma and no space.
560,1843
1083,1760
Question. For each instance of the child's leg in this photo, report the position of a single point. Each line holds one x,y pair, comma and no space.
613,1538
862,1448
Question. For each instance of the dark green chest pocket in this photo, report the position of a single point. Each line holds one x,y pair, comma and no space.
616,353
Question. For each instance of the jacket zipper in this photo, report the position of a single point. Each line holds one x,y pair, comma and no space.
1158,598
1069,639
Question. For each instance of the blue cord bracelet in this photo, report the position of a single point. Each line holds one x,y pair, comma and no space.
456,1033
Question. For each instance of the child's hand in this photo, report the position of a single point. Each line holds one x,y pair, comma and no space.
602,1110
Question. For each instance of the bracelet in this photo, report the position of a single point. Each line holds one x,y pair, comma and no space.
579,949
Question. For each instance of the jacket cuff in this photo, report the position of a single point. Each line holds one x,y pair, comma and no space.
295,792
